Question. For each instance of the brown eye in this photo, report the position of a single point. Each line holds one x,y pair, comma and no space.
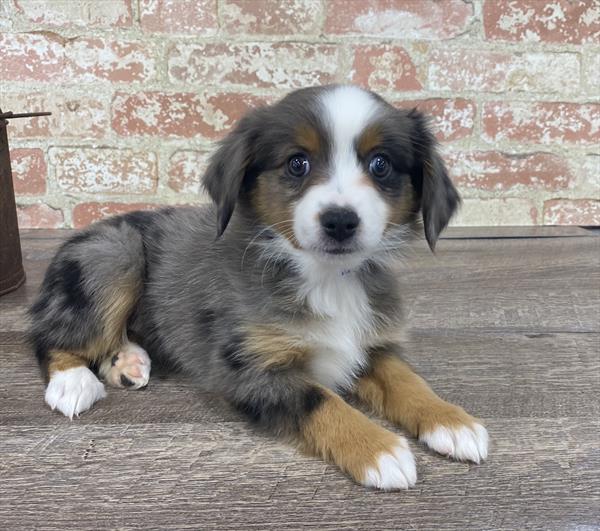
298,165
380,166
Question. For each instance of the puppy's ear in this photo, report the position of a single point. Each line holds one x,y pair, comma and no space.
439,198
228,167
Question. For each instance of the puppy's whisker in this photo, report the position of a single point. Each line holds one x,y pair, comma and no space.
260,233
248,246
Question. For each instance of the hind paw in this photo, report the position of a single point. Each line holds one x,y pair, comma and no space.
129,368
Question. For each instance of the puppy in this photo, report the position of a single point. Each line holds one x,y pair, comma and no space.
281,296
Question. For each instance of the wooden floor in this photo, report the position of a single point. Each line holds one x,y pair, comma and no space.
504,323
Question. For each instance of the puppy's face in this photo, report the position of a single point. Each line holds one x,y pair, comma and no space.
336,172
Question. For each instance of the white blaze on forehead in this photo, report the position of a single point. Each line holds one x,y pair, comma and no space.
347,112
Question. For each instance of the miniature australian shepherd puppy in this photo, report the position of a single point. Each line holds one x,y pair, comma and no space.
282,295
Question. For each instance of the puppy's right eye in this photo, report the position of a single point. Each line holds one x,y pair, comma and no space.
298,165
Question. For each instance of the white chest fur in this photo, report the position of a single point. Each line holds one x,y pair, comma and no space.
342,327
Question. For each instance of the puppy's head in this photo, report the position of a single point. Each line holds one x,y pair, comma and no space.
335,172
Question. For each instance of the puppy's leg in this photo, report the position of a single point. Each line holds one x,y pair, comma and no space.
129,367
266,383
80,316
372,455
72,386
393,390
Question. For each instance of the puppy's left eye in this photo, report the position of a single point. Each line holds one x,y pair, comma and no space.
380,166
298,165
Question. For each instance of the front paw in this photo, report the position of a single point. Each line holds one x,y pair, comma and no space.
392,470
457,435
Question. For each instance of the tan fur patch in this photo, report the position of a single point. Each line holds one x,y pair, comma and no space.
339,433
402,208
394,391
116,308
274,347
307,138
61,361
368,140
365,180
273,207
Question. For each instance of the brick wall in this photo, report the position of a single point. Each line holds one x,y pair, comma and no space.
140,89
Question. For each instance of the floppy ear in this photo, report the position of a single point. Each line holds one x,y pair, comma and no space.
227,168
439,198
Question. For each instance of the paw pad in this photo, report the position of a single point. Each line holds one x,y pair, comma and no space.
129,368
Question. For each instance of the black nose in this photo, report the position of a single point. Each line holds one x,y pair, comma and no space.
339,223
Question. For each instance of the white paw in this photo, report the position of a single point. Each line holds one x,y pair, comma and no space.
462,443
394,470
73,391
129,368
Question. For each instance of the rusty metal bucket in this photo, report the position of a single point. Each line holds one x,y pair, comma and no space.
12,274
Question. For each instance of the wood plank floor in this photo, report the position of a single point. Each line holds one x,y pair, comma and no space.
505,323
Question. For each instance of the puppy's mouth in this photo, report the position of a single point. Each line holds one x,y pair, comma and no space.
339,250
335,250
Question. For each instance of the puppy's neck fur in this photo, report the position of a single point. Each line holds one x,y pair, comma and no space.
329,300
344,325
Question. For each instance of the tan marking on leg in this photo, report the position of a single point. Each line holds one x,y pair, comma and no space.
116,305
339,433
271,347
394,391
59,360
116,309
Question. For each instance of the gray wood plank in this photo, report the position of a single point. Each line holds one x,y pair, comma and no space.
541,285
536,231
540,476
